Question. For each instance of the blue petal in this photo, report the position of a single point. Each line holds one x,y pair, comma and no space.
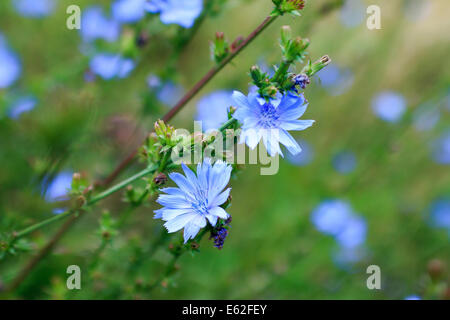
179,222
221,198
219,212
289,142
296,125
173,202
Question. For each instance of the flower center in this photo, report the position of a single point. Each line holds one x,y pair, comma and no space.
200,204
268,117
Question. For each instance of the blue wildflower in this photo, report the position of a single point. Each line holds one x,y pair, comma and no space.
440,213
353,233
197,198
345,256
303,158
213,108
413,297
441,149
10,66
109,66
153,81
344,162
95,25
128,11
180,12
389,106
59,187
271,120
169,93
331,216
426,117
34,8
335,79
21,105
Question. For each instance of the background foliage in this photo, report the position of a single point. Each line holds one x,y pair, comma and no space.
273,251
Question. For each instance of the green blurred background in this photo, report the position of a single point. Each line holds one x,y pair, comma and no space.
273,251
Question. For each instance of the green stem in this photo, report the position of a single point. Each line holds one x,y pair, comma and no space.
92,201
282,70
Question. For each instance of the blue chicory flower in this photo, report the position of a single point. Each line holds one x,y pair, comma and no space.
169,93
331,216
353,234
59,187
337,80
413,297
95,25
303,158
181,12
128,11
337,218
109,66
389,106
21,105
426,117
440,213
10,66
197,198
271,120
344,162
441,149
34,8
213,108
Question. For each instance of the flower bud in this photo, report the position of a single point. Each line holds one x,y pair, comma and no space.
160,179
435,268
286,34
219,48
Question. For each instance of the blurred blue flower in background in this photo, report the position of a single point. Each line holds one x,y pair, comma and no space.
260,119
169,93
305,157
353,234
344,162
441,149
153,81
389,106
34,8
10,66
337,218
331,216
21,105
426,117
440,213
413,297
353,13
213,108
58,188
180,12
128,11
109,66
197,199
335,79
95,25
345,256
